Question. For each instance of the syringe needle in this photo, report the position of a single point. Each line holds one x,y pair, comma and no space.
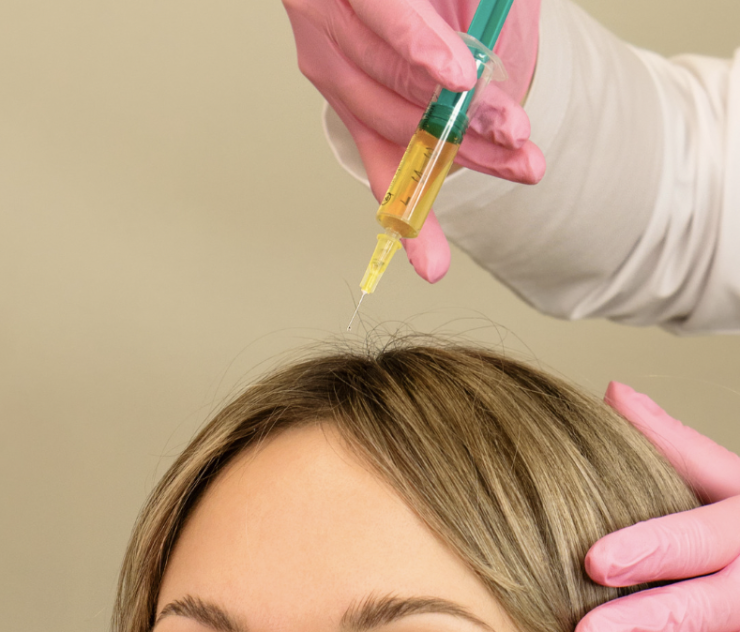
357,309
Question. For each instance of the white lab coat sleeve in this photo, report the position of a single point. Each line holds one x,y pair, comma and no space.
638,216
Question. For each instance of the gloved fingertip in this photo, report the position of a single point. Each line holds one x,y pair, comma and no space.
518,130
626,557
630,403
457,75
586,625
430,262
498,121
603,619
647,611
616,391
517,141
510,134
593,564
429,253
601,565
538,166
533,169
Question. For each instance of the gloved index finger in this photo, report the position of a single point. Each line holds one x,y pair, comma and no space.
705,604
415,30
677,546
711,470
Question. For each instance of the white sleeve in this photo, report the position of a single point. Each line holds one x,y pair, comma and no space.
638,216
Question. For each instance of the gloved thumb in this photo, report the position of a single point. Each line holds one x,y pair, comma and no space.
677,546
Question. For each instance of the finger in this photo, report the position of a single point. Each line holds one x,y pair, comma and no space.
429,253
706,604
415,30
375,57
349,89
711,470
500,119
678,546
525,165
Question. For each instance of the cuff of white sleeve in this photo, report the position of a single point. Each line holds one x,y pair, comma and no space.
342,145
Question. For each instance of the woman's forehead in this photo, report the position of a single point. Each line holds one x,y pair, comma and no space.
302,528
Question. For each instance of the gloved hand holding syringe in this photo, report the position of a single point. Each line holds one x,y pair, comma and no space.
433,147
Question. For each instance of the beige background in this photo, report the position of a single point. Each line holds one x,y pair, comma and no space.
170,219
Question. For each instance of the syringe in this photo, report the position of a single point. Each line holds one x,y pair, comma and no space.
434,146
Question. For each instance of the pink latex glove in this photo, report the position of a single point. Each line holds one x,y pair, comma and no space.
704,541
377,63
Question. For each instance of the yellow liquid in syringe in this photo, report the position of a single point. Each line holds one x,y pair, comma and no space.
417,181
409,199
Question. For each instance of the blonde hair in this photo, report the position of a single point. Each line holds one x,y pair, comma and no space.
517,471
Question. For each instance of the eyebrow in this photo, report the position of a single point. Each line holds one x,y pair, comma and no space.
376,611
204,612
373,612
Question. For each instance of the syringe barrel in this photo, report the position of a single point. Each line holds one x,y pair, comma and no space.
433,148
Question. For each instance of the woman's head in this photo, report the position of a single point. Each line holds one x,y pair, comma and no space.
336,488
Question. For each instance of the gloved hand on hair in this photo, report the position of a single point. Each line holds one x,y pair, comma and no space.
703,544
377,63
